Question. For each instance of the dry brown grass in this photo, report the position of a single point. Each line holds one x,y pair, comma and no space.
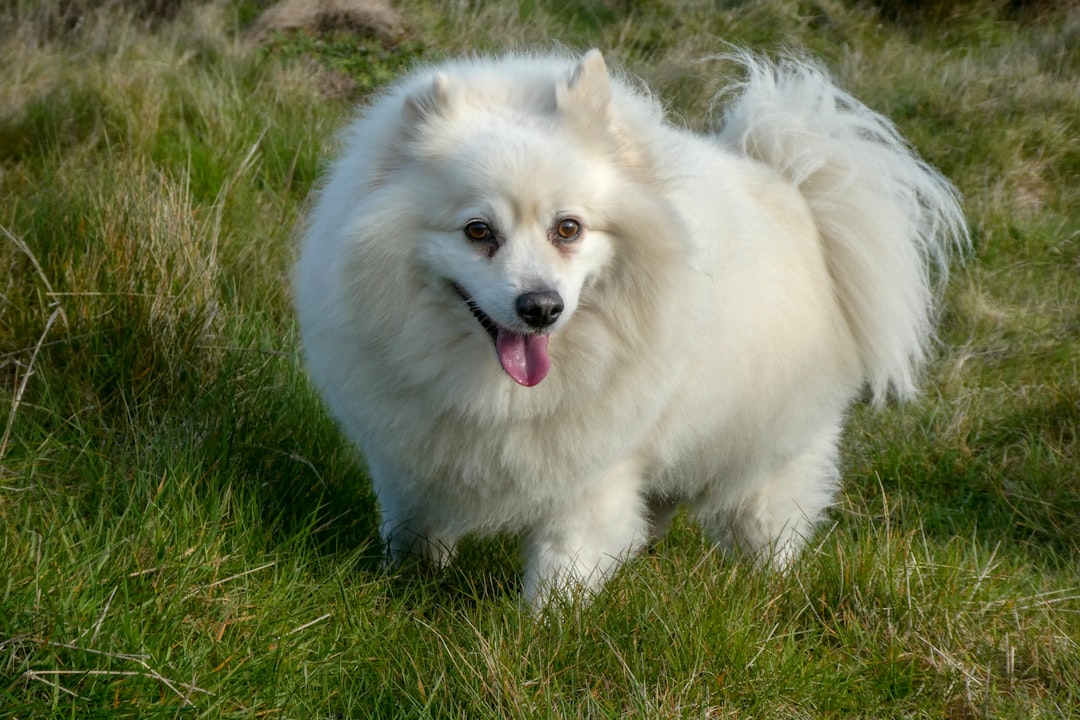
374,17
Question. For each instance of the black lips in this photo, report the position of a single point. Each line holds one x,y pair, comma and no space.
482,317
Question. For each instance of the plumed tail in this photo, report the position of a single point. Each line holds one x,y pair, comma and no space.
887,219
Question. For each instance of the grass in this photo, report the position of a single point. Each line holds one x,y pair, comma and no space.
183,532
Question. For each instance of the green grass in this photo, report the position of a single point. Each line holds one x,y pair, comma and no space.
184,533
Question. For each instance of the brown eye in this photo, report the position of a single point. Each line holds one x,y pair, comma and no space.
478,230
568,229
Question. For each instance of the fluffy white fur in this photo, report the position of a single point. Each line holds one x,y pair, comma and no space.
727,297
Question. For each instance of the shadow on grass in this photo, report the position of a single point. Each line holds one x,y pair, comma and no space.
484,570
279,444
1012,477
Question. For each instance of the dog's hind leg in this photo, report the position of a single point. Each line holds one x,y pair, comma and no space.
773,520
579,545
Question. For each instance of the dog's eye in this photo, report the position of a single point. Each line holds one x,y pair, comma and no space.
568,229
478,230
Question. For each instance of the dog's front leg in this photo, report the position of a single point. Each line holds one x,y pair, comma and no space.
412,529
581,543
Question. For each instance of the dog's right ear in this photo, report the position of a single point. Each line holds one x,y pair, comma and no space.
432,100
427,103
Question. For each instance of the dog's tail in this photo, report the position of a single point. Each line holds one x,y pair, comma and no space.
887,219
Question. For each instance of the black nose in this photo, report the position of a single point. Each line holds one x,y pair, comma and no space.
539,309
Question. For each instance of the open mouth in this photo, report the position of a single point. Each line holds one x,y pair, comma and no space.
523,356
482,317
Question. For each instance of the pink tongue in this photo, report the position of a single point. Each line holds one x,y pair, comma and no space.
523,357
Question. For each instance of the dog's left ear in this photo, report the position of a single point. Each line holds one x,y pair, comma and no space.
586,94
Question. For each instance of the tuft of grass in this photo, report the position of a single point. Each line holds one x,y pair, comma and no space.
183,530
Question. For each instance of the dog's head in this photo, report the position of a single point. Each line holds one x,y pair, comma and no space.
517,179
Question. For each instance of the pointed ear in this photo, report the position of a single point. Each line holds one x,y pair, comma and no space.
587,93
429,102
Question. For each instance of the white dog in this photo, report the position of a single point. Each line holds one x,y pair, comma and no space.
541,308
